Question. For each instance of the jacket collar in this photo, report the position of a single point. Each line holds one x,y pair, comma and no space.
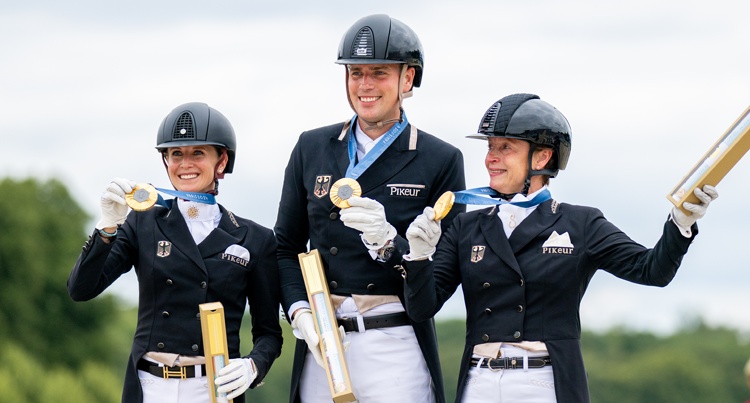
393,159
543,217
228,232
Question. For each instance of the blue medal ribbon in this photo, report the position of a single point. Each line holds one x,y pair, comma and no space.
356,169
204,198
476,196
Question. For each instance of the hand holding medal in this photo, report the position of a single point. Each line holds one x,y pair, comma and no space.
424,233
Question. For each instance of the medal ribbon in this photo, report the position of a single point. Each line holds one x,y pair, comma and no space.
204,198
356,169
476,196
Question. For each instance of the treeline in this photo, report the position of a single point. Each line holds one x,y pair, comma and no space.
55,350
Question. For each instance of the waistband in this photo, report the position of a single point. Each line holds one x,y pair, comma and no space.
166,372
362,323
496,364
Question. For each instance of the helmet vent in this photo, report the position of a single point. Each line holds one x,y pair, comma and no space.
184,127
488,122
362,46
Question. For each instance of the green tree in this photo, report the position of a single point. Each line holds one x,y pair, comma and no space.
696,364
48,340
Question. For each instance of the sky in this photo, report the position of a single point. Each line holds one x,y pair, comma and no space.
648,88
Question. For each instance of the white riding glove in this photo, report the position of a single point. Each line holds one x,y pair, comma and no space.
684,221
235,378
114,209
303,328
368,216
423,234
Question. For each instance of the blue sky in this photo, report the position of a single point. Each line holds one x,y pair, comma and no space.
647,88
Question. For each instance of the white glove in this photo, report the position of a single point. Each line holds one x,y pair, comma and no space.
235,378
684,221
368,216
303,328
113,204
423,234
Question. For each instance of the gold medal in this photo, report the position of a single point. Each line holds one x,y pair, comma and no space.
443,205
342,190
142,198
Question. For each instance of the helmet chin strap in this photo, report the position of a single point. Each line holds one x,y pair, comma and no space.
530,171
219,173
401,96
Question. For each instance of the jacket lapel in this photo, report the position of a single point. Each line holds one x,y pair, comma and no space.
340,148
229,232
391,162
492,229
536,223
176,231
393,159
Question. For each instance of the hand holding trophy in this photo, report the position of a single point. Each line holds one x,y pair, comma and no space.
319,296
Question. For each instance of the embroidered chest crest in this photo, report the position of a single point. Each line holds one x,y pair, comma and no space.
477,253
322,185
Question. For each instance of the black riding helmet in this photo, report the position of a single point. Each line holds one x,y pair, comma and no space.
526,117
380,39
196,123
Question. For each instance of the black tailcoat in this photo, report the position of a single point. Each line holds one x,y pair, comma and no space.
521,289
411,174
177,276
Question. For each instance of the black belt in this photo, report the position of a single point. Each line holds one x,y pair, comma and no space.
497,364
169,372
375,322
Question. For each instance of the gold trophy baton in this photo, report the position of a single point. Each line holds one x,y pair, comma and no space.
716,163
142,198
215,348
326,325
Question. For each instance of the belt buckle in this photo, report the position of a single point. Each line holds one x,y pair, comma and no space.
174,373
489,365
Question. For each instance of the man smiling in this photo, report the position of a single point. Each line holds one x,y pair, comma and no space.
401,170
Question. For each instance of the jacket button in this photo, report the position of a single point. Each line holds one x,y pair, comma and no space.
203,284
517,334
334,251
485,337
333,285
333,216
370,287
194,347
160,345
198,316
486,285
165,314
519,308
487,311
522,283
169,281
